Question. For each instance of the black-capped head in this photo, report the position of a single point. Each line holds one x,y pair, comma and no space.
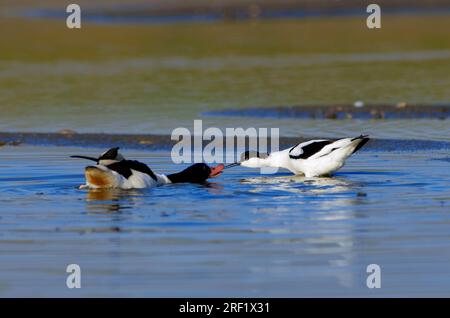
249,154
253,154
197,173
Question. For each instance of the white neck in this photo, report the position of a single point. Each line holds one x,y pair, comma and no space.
259,163
277,159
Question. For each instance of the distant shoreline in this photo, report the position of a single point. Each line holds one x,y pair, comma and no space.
151,142
359,110
222,11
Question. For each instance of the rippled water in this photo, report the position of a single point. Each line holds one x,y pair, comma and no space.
244,234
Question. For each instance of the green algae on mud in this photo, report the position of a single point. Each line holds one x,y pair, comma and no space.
85,79
23,38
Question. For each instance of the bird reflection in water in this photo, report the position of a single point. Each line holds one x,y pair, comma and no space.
333,202
301,184
332,196
118,200
111,200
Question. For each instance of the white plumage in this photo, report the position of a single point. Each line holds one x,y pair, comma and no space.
100,176
313,158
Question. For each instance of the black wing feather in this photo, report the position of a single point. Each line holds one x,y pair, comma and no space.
111,154
124,168
310,149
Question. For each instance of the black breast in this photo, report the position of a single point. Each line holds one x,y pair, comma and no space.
124,168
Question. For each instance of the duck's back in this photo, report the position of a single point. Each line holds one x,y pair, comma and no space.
125,174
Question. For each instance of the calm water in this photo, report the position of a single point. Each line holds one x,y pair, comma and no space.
244,234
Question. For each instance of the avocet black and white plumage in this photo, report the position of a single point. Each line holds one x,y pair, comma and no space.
313,158
114,171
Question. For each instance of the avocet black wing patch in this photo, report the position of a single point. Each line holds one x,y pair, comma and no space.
306,150
124,168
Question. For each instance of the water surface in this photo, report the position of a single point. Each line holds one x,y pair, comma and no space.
244,234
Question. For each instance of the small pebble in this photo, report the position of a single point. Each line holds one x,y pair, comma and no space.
401,105
358,104
67,132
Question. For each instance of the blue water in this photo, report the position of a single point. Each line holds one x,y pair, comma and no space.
137,14
243,234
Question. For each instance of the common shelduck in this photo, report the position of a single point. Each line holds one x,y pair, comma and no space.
313,158
114,171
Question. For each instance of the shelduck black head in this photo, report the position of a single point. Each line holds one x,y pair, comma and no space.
197,173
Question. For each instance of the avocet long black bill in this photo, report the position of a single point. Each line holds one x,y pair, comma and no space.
246,156
232,165
85,157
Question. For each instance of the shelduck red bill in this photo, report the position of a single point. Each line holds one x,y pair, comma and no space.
215,171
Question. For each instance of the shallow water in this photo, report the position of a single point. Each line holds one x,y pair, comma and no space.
244,234
142,13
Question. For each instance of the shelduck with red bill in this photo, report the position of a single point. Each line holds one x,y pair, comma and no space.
112,170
